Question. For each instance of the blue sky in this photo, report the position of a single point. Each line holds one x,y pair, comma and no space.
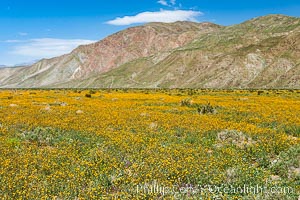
35,29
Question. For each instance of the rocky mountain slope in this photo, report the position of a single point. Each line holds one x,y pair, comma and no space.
260,53
105,55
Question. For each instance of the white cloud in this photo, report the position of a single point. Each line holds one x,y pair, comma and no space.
160,16
163,2
23,33
46,47
13,41
171,3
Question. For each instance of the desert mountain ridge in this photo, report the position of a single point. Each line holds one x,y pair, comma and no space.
263,52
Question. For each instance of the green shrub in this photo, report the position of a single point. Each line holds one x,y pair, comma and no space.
206,109
186,102
201,108
88,95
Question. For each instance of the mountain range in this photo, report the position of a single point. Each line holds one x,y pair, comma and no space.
263,52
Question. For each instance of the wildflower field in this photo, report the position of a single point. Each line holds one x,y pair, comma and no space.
149,144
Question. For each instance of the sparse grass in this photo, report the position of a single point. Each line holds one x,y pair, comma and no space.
293,130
